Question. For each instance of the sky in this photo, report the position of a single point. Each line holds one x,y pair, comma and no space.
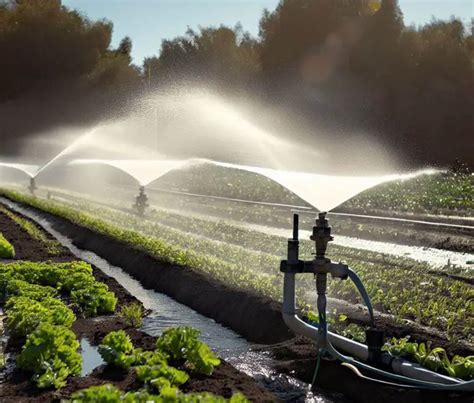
148,22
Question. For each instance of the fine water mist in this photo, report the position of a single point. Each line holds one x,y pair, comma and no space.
27,169
172,129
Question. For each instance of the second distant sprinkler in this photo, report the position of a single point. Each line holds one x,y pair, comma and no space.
141,202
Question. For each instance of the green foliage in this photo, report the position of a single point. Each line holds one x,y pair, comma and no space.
25,314
440,193
74,278
51,354
110,394
162,376
95,299
7,251
116,349
132,314
435,359
176,344
58,34
399,286
98,394
151,358
28,291
254,265
181,343
152,367
33,291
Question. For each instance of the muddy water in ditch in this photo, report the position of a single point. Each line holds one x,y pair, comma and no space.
166,312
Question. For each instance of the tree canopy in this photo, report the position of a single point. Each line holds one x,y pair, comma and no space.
414,85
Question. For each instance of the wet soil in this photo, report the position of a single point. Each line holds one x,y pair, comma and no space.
26,247
17,386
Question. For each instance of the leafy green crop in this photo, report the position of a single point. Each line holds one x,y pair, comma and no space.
7,251
116,349
132,314
40,279
110,394
51,354
161,376
98,394
28,291
435,359
23,314
178,345
25,289
247,259
95,299
427,194
181,343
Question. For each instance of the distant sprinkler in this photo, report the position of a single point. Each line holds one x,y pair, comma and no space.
32,188
141,202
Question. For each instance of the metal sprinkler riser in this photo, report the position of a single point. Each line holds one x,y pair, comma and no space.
141,202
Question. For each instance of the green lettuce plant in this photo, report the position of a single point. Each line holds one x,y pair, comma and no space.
7,251
116,349
23,314
50,352
181,343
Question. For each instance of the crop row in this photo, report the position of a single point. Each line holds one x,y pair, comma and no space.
33,296
52,246
7,251
401,287
397,290
426,194
253,240
233,232
156,371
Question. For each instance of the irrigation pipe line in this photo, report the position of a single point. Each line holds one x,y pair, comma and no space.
411,375
311,210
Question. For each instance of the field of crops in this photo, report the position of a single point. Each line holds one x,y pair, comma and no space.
399,287
444,193
49,306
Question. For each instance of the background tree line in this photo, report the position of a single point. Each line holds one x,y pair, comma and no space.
346,63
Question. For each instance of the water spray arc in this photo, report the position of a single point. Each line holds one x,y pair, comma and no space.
405,373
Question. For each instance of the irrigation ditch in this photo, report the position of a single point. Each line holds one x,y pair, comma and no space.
15,384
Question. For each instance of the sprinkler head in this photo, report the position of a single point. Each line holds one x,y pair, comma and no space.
32,188
141,201
321,235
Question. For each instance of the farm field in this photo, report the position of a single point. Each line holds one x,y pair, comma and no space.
248,259
85,324
236,201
